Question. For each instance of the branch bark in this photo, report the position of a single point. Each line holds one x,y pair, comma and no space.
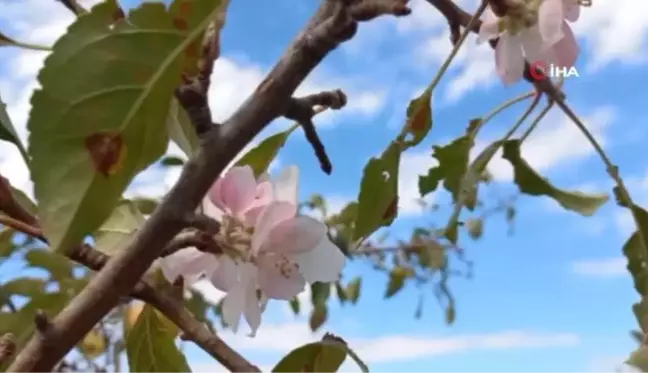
333,23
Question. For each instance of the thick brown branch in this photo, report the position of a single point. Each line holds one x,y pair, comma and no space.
119,276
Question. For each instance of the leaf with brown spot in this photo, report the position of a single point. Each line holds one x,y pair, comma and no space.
419,117
94,116
107,152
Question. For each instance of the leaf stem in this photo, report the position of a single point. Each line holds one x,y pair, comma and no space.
535,122
34,47
623,194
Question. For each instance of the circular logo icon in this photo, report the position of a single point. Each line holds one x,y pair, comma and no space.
538,70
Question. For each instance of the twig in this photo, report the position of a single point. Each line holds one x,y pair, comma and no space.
22,227
73,6
218,148
302,111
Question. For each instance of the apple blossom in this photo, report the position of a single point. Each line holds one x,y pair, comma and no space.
535,30
271,252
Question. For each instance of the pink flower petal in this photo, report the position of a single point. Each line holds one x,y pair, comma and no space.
550,19
226,275
271,216
279,278
324,263
566,50
235,191
210,210
263,197
295,235
189,263
571,10
509,59
286,186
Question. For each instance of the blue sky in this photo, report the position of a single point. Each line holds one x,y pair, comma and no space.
554,296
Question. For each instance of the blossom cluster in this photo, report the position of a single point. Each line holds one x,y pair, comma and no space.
532,30
269,251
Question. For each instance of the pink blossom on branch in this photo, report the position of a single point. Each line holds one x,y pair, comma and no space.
271,251
537,31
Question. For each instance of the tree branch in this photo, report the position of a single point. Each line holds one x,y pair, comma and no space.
172,308
220,145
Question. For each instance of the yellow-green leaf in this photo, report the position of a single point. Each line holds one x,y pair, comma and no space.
353,289
378,197
639,359
7,246
397,278
59,266
93,344
99,118
25,286
452,166
637,254
318,317
260,157
475,228
533,184
181,130
145,205
295,305
325,356
170,161
419,117
150,345
124,221
7,129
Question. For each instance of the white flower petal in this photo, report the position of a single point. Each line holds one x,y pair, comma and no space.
566,50
286,186
324,263
509,59
252,310
295,235
234,305
550,19
489,28
189,263
532,44
209,209
279,278
571,10
234,191
226,275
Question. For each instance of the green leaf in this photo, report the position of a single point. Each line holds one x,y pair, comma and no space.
181,130
99,117
260,157
378,198
7,129
150,345
475,228
452,165
397,278
533,184
419,117
25,286
7,246
637,254
59,266
318,317
341,293
320,292
325,356
172,161
122,224
639,359
353,289
24,201
295,305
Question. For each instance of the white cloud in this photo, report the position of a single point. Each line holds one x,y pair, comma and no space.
411,167
607,267
555,143
280,338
